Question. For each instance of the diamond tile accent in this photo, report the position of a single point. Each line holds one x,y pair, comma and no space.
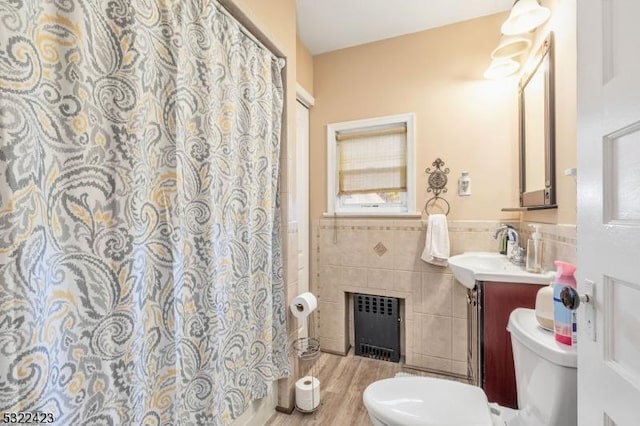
380,249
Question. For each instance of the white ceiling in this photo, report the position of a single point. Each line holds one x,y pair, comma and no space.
326,25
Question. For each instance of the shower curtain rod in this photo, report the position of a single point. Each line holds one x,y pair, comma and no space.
222,8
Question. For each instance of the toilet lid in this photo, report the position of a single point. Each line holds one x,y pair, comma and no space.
427,401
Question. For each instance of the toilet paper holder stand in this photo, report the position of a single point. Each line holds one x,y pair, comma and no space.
307,350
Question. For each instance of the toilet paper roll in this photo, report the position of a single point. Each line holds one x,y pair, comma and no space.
308,393
303,305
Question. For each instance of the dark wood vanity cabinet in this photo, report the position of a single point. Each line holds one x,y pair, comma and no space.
496,301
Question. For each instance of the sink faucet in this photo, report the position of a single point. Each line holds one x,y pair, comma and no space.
514,253
501,233
500,230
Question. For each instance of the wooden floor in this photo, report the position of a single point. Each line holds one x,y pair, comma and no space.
343,380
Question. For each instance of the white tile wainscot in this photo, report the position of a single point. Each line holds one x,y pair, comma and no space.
345,260
348,258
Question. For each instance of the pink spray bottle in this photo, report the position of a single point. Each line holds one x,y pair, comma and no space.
564,320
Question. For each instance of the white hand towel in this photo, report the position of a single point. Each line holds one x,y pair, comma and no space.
436,248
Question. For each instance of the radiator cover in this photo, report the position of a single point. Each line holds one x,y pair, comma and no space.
377,326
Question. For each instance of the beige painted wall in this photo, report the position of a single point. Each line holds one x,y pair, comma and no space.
468,121
276,18
304,64
563,24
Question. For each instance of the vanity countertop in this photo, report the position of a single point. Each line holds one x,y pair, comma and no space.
470,267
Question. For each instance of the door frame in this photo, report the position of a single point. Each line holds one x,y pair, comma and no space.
302,205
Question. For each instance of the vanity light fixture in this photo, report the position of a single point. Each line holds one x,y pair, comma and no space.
500,68
525,16
511,46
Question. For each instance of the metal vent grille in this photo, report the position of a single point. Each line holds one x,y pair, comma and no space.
376,352
377,327
375,304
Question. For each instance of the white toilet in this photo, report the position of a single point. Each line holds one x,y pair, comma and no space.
546,382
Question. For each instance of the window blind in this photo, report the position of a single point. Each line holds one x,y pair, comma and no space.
372,160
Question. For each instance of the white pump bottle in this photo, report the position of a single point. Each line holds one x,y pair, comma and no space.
535,250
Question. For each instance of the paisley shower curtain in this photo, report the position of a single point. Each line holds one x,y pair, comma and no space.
140,250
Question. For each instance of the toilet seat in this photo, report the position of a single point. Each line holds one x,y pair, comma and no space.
546,381
402,401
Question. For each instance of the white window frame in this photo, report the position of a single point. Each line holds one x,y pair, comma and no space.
333,205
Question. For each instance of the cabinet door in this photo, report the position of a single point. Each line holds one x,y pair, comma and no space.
499,300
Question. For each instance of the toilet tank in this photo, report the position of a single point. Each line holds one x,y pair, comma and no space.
546,373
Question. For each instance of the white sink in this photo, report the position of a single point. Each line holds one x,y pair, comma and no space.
483,266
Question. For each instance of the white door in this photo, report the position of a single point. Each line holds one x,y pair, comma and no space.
609,211
302,195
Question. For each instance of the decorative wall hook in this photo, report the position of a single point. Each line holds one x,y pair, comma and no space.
437,184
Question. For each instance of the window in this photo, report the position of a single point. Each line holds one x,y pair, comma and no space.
370,166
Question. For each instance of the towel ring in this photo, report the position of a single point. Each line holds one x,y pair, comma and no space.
437,184
435,199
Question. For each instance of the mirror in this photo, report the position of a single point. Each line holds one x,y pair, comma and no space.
537,131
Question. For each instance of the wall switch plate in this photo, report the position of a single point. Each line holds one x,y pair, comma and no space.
464,185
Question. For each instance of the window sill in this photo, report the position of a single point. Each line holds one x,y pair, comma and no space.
404,215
